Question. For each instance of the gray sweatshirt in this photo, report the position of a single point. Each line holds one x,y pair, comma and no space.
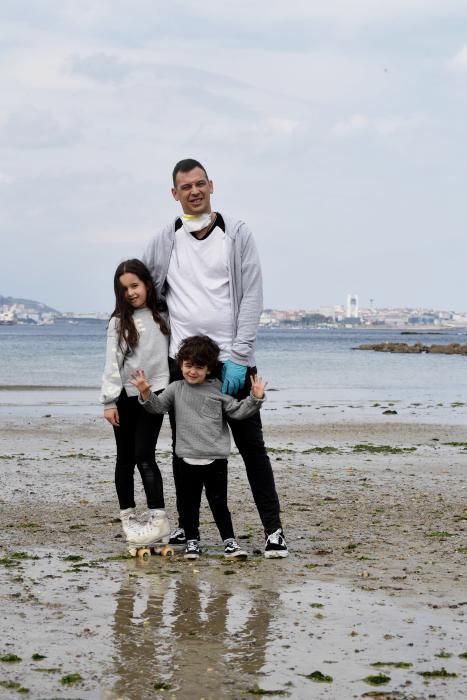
202,431
150,354
246,287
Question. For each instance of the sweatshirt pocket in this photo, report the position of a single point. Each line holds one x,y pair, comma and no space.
211,408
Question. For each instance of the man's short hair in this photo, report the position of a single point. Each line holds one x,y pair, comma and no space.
200,350
184,166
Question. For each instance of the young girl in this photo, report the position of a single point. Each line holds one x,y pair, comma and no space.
137,337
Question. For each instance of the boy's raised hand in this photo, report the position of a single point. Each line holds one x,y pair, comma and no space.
138,379
258,386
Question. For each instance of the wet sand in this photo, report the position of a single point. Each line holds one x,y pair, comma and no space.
375,517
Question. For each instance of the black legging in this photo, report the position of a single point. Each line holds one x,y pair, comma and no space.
136,440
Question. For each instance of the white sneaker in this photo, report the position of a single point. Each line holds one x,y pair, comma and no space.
156,529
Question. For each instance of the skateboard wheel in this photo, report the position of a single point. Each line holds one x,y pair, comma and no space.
167,551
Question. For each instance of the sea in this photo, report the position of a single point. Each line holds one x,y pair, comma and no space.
312,374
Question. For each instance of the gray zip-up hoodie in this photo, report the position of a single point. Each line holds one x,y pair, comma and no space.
202,431
245,281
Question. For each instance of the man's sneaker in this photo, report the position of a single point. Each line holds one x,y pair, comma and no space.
276,547
232,550
192,550
178,536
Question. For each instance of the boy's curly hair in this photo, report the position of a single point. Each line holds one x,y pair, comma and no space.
200,350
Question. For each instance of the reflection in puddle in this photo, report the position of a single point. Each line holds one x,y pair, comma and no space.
187,634
167,629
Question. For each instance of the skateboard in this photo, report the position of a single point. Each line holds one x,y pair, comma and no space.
144,551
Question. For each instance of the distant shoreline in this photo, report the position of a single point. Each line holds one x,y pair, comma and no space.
403,330
416,348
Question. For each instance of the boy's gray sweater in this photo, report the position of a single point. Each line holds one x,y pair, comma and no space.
202,431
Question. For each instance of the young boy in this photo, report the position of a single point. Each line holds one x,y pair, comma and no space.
202,439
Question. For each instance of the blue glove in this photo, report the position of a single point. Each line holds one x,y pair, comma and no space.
233,377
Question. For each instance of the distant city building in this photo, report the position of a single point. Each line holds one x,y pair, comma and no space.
352,306
338,317
22,311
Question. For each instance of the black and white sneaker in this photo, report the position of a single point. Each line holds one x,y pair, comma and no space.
192,550
276,547
177,537
232,550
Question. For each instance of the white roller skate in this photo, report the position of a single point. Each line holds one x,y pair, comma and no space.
129,522
152,537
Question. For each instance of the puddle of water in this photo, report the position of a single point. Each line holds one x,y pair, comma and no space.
213,629
354,629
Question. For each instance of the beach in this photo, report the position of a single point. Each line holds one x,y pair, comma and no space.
371,601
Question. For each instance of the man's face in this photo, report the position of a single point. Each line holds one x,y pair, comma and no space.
193,190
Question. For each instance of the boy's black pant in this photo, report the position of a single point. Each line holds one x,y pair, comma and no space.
248,437
214,479
136,440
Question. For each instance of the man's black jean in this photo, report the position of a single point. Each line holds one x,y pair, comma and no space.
248,437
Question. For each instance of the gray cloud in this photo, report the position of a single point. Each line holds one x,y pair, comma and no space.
102,67
36,128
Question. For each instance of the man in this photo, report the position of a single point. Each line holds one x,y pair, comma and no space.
207,268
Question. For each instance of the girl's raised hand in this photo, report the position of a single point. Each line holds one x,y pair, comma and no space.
258,386
138,379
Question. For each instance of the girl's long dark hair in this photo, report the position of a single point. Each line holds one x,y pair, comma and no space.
127,334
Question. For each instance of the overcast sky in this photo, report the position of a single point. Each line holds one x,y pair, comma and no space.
337,130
